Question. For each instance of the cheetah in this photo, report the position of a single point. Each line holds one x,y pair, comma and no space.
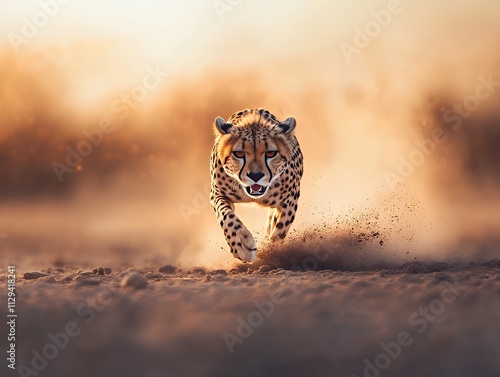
255,158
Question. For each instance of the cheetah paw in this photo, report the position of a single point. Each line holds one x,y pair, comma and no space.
245,248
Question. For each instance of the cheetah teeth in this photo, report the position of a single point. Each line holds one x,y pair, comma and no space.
256,189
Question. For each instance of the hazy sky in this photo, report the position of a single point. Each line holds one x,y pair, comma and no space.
160,29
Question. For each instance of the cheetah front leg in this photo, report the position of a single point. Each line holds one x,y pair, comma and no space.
239,239
281,221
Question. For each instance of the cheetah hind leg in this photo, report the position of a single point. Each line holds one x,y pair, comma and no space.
272,219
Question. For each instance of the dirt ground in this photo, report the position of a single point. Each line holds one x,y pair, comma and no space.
418,319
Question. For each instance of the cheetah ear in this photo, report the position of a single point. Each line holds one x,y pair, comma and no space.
222,126
287,125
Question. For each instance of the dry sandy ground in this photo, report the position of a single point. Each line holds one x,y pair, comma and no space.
412,320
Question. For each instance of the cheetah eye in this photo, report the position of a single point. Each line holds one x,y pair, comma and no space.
271,154
238,154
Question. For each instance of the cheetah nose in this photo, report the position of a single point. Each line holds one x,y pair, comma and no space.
255,176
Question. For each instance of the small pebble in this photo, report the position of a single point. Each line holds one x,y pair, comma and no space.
264,268
199,271
129,270
218,272
102,271
133,280
167,269
86,273
67,278
85,280
49,279
33,275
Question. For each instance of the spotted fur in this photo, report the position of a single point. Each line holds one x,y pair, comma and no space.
255,158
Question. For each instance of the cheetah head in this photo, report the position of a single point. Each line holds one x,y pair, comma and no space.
254,150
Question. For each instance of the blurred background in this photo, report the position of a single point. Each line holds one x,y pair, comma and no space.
106,112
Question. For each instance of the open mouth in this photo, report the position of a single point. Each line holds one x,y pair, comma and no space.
256,190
